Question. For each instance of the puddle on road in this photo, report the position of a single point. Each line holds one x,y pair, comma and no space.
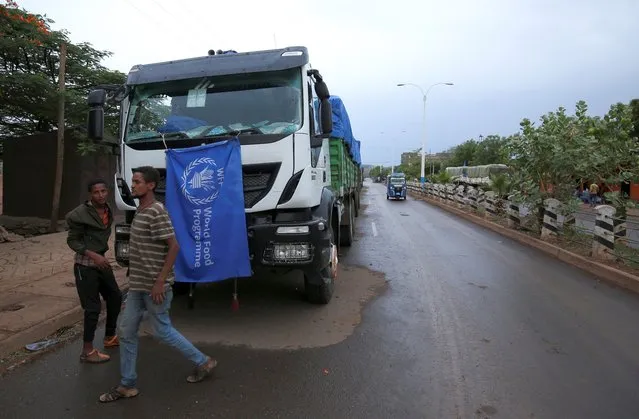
273,313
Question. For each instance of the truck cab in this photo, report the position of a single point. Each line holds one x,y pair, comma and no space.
264,98
396,186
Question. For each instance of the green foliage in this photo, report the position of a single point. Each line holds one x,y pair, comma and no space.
552,159
491,150
465,152
634,111
410,170
29,63
621,202
501,184
443,177
379,171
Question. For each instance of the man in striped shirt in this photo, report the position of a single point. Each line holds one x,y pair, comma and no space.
152,252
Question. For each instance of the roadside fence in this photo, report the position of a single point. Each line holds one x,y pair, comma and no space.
598,232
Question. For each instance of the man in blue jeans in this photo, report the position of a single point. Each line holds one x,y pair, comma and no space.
152,252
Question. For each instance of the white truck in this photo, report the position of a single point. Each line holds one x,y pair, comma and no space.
279,108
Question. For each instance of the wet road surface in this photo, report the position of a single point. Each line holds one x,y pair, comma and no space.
470,325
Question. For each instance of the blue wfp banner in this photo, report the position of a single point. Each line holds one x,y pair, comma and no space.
205,200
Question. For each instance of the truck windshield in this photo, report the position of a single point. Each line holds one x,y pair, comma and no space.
397,180
243,104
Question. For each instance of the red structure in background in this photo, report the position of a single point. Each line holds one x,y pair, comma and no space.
630,188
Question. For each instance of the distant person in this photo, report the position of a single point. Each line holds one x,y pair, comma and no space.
152,253
89,232
594,191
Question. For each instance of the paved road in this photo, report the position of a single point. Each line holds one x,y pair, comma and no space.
471,325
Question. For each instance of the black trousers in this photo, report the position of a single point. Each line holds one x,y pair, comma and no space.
91,282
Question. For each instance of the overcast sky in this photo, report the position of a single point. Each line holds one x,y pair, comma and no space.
508,59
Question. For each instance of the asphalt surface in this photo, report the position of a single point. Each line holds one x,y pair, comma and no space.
471,325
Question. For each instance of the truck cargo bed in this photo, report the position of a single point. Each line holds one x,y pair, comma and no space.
344,171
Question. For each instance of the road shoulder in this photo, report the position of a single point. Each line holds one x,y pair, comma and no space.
37,290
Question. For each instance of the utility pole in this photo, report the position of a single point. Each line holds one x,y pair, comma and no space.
57,185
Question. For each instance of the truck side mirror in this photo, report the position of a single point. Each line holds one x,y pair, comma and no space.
321,90
326,116
95,123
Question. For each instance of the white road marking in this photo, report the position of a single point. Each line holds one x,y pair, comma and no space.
374,229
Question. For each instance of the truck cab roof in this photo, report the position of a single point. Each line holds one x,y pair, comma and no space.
219,65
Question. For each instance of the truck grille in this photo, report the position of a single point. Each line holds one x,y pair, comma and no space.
257,179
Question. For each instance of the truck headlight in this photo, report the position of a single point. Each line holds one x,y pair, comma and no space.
285,251
121,250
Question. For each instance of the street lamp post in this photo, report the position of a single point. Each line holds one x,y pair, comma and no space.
422,179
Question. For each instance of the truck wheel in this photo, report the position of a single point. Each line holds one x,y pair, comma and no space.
320,289
357,202
347,232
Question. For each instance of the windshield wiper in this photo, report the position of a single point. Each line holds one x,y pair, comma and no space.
233,133
172,135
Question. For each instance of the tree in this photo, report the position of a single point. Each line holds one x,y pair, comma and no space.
410,170
462,154
491,150
548,159
634,109
551,160
29,59
30,24
379,171
613,154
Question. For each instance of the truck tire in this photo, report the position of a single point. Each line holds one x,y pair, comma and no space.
347,232
321,293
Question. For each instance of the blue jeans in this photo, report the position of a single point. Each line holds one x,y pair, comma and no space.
136,303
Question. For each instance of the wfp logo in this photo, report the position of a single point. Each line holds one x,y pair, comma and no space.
202,180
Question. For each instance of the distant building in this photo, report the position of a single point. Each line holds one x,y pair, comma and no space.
414,157
409,158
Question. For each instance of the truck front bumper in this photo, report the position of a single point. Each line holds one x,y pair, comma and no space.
304,245
297,245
